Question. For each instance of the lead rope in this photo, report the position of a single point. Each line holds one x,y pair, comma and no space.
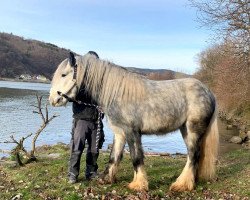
98,133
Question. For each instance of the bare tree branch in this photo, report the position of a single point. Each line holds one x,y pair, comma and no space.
46,120
229,19
39,103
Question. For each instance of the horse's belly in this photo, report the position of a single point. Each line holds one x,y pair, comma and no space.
161,124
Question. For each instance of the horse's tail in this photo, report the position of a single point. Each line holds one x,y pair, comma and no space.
209,150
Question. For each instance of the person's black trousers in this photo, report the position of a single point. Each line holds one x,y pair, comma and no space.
83,130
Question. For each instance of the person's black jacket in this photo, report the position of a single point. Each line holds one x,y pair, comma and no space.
81,111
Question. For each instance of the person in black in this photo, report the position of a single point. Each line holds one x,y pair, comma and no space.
85,121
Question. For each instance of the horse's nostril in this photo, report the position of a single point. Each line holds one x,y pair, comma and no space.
59,93
58,100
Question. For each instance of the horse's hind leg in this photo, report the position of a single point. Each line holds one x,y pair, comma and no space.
192,133
139,182
115,155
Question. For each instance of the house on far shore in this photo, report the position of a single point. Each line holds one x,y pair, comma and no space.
25,77
41,78
33,78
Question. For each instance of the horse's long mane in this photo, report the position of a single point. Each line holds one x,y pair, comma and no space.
107,82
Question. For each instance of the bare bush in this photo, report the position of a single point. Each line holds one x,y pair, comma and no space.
226,74
226,66
19,150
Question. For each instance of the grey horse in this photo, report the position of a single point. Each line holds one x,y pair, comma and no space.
136,106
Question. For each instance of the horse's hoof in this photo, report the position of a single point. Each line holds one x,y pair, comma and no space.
181,187
138,186
101,181
106,179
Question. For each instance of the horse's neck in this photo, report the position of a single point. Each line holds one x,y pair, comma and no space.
82,75
112,83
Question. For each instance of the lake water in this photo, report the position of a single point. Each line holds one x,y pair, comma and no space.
17,118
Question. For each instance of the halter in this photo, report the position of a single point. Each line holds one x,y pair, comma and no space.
75,72
100,112
74,65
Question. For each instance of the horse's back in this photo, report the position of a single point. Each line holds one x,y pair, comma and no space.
171,103
194,91
165,108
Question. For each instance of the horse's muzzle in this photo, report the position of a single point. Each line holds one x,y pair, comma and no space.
57,101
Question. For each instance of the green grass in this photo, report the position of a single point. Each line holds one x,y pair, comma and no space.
47,179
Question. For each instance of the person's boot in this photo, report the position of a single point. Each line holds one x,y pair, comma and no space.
91,172
72,178
91,165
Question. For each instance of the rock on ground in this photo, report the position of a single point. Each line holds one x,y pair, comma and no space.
236,140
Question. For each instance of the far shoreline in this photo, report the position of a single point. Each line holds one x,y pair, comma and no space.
7,153
25,81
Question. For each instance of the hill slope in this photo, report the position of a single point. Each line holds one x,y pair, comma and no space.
24,56
21,56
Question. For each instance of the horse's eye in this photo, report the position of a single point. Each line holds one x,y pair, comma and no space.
63,75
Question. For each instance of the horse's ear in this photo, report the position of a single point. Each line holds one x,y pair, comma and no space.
93,53
72,60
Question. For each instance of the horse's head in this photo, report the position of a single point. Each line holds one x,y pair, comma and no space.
64,82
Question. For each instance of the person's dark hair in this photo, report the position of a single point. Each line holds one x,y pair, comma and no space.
93,53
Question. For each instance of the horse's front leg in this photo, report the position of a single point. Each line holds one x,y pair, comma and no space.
116,155
139,182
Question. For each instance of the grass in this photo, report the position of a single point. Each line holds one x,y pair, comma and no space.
47,179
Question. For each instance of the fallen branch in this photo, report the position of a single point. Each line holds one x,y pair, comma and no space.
19,148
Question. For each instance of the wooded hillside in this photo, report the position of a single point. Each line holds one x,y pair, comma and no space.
23,56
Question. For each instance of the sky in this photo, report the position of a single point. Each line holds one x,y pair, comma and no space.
156,34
